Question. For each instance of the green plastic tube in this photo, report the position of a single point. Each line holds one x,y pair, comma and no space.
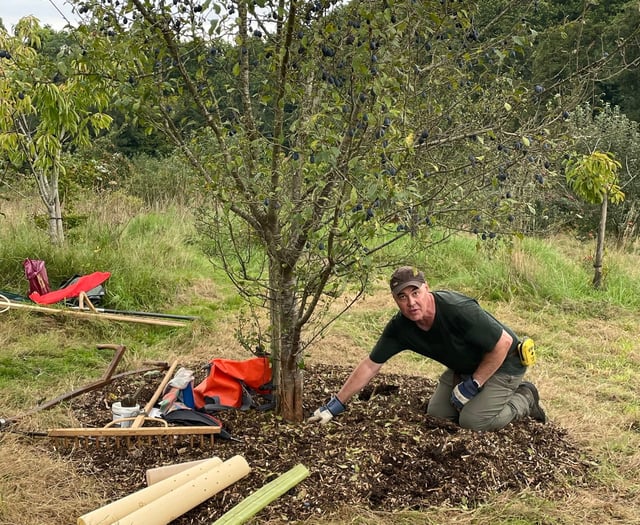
257,501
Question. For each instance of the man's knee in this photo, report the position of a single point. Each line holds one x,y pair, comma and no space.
473,421
442,411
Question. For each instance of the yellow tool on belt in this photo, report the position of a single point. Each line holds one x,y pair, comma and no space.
527,351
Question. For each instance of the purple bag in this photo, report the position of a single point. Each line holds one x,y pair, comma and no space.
36,274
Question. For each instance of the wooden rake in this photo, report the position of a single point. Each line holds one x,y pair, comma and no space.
137,434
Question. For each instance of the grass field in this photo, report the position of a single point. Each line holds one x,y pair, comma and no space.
588,370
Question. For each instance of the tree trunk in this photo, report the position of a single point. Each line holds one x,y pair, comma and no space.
285,349
56,228
599,256
50,195
290,391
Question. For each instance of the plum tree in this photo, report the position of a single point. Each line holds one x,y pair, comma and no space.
316,140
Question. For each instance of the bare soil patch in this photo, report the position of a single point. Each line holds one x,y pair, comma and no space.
384,453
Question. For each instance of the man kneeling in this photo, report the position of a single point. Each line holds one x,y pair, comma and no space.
482,387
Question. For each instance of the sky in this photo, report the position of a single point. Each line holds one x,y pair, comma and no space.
44,10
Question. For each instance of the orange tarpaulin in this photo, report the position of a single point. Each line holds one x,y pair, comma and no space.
83,284
228,379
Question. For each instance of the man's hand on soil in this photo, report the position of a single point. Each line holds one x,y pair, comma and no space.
325,413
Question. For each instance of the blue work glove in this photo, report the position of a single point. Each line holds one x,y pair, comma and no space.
326,412
464,392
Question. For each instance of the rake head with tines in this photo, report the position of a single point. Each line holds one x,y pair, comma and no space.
109,437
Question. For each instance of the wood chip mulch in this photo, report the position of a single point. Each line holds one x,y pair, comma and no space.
384,453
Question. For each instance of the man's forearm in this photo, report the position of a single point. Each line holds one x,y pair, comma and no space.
493,360
358,379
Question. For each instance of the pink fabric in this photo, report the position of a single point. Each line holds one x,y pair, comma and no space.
36,274
83,284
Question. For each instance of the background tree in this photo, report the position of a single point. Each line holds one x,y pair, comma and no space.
594,178
606,128
47,106
576,34
619,86
331,132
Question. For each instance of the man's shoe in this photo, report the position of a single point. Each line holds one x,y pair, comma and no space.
530,392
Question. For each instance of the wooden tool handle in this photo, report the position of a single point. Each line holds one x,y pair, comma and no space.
139,421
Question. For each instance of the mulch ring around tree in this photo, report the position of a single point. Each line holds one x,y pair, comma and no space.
384,453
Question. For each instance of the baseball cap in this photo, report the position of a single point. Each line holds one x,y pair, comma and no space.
406,276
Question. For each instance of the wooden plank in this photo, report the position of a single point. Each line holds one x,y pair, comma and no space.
92,315
132,432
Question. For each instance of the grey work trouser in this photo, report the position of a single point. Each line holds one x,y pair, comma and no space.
494,407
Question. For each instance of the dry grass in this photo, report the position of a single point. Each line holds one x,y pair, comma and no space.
40,488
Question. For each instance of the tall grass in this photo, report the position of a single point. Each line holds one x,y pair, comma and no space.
152,256
147,252
163,181
542,271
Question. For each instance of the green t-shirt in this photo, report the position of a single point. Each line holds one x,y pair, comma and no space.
462,332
